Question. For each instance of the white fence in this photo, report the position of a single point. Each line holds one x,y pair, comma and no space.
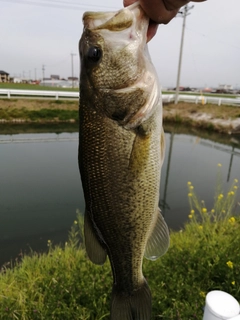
167,98
10,93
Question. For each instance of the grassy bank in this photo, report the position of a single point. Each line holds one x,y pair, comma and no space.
64,284
43,111
225,119
222,118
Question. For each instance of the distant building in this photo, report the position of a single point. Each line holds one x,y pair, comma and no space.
207,90
72,78
226,87
16,80
54,77
4,76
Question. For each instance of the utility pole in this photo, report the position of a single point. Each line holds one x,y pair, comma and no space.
35,72
72,55
185,14
43,73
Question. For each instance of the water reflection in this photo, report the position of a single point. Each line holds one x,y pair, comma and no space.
192,158
41,188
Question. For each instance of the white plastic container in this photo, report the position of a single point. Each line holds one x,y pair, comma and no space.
221,306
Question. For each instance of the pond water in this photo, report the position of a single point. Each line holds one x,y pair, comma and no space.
41,191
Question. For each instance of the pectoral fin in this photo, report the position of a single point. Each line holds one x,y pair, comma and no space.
95,250
158,241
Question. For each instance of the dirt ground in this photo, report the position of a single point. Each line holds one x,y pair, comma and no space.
218,118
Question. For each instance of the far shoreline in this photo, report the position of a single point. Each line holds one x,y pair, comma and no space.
222,119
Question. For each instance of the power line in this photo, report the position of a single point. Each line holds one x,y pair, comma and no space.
80,4
40,4
57,4
213,38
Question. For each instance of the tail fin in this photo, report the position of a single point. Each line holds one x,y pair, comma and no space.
135,306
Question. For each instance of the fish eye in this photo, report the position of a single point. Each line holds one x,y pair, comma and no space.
94,54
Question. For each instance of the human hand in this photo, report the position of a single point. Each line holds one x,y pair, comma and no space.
159,11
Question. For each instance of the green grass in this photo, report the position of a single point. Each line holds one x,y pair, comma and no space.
23,86
64,284
42,115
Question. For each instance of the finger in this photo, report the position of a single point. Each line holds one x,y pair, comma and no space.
152,30
128,2
157,11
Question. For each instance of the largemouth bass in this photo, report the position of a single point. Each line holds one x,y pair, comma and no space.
121,149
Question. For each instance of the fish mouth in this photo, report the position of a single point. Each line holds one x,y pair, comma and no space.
126,29
132,15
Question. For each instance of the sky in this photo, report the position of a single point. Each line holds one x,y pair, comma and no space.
37,33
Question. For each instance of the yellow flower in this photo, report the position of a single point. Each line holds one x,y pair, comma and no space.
235,187
190,194
236,180
204,210
220,196
189,183
230,264
190,216
200,227
192,211
191,187
231,220
75,222
233,283
219,164
212,210
202,294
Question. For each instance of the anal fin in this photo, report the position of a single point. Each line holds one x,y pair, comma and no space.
158,241
95,250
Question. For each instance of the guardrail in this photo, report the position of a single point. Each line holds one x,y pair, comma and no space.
12,93
167,98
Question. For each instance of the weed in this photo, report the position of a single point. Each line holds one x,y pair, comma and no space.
178,118
64,284
42,115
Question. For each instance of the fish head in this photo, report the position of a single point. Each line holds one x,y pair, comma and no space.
112,48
